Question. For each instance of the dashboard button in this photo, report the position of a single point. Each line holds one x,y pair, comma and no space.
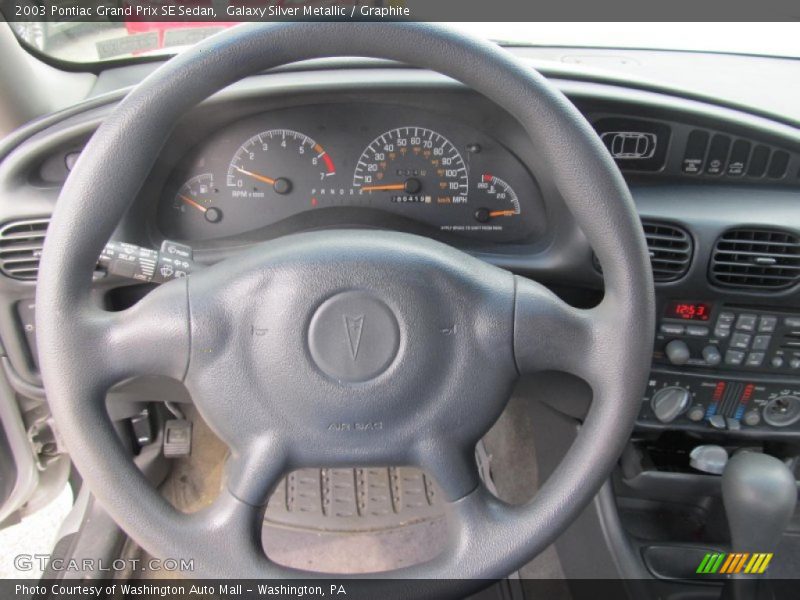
761,342
776,362
693,157
741,341
767,324
754,359
738,160
792,322
746,322
795,363
726,318
671,329
722,331
734,357
718,154
697,330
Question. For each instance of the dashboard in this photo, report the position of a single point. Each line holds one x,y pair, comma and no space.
368,145
365,163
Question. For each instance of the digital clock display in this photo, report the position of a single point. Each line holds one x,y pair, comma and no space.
689,311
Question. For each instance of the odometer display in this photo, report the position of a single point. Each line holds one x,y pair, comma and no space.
413,165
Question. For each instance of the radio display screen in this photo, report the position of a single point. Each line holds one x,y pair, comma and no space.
688,311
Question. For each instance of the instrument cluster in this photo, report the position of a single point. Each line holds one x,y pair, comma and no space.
352,165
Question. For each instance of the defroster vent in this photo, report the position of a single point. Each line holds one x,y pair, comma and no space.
756,259
21,248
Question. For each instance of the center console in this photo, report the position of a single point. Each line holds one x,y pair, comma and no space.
724,367
725,383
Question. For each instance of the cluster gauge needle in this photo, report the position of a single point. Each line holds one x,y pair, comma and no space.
198,193
410,186
281,185
384,188
192,203
212,214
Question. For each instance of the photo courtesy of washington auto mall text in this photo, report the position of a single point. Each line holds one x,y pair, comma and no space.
177,589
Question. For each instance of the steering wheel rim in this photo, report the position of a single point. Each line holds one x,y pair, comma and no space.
84,350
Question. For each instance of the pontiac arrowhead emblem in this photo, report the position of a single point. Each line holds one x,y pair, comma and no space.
354,327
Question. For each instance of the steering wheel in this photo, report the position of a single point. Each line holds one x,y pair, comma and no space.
343,348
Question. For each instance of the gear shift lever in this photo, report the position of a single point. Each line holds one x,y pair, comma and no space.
759,493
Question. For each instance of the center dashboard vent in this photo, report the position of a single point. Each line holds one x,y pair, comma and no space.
756,259
21,248
670,250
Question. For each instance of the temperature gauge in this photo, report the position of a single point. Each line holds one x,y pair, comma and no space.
497,200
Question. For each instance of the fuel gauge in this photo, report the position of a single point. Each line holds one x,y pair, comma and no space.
495,200
197,197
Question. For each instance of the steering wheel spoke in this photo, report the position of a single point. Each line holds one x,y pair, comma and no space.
232,526
549,334
149,338
452,464
252,472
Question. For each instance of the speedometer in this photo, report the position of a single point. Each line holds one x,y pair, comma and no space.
413,165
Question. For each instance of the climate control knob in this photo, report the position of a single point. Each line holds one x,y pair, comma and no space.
782,411
712,356
697,413
669,403
752,418
677,352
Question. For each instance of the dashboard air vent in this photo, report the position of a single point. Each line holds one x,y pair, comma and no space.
21,247
670,251
756,259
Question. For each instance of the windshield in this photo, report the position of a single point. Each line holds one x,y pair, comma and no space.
83,42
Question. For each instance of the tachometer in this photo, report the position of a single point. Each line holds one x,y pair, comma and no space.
278,161
413,165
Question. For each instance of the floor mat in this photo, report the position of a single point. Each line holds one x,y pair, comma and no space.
354,520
